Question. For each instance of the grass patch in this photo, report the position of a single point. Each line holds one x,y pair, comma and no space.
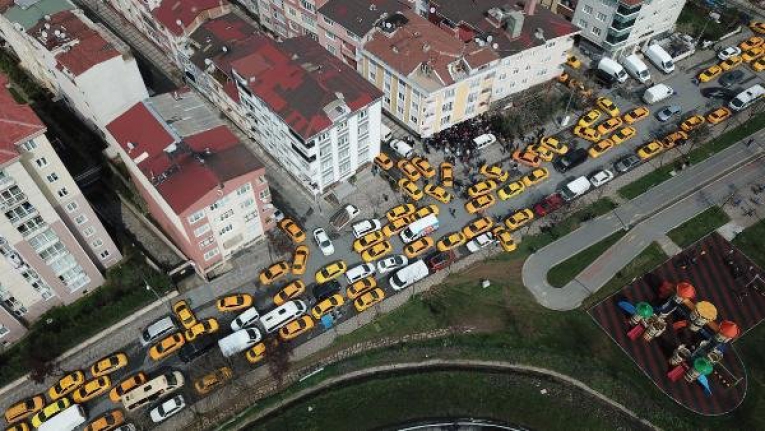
120,296
532,243
695,17
750,242
698,227
562,273
702,152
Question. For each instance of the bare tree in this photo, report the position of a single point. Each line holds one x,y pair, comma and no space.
278,358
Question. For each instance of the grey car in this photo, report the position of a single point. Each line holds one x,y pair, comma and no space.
668,112
626,164
730,78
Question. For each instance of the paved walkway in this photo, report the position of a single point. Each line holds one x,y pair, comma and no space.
652,214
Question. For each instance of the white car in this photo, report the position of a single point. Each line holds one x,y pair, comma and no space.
728,52
360,271
484,140
323,241
247,318
365,226
391,263
481,241
168,408
601,177
401,148
278,215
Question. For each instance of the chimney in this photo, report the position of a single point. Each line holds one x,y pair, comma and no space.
514,24
530,7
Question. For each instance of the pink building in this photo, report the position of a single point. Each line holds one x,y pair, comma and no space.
203,187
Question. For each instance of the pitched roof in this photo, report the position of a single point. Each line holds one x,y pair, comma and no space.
170,12
229,31
18,123
28,16
182,169
303,83
360,16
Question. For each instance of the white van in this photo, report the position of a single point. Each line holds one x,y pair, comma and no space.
484,140
385,133
245,319
660,58
153,390
409,275
401,148
281,315
636,68
613,69
239,341
746,98
419,228
575,188
360,271
157,330
68,420
657,93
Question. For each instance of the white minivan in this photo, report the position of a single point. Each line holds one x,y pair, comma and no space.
613,69
157,330
281,315
660,58
746,98
409,275
636,68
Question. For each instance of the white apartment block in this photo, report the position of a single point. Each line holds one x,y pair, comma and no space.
52,246
73,57
623,26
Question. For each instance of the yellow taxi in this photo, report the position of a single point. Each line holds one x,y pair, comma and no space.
184,314
234,302
759,65
296,327
543,152
300,259
719,115
274,272
535,177
107,421
203,327
91,389
368,299
494,172
757,27
408,169
417,247
573,62
563,78
289,292
396,226
400,211
511,190
480,203
587,133
127,385
109,364
425,211
752,42
24,408
598,149
49,411
447,174
637,114
482,188
607,106
519,218
167,346
292,230
376,251
256,353
423,165
450,241
589,118
66,385
623,134
327,305
356,289
553,144
368,240
710,73
383,161
410,188
692,123
19,426
527,157
505,239
331,271
609,125
477,227
675,138
731,63
753,54
438,193
210,381
650,150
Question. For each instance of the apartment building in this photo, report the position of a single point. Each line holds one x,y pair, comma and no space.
73,57
619,27
450,67
167,23
206,190
52,246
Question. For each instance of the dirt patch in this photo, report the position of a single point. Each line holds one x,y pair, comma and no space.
493,270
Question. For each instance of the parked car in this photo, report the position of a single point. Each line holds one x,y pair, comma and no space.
391,263
480,242
717,93
167,408
601,177
365,226
668,112
728,79
247,318
401,148
323,241
728,52
549,204
626,164
439,260
325,290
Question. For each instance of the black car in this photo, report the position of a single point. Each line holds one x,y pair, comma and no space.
626,164
570,160
325,290
730,78
192,351
717,93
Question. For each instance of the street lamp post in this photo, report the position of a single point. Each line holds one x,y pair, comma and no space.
713,16
160,298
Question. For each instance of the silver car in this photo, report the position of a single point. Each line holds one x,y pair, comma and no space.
168,408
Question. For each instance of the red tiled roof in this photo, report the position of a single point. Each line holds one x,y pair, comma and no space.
17,122
298,78
203,162
86,47
5,5
170,12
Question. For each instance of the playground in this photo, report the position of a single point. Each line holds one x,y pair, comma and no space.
679,323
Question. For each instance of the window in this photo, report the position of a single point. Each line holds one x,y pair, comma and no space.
29,145
332,50
447,106
372,74
247,203
80,219
601,17
226,214
52,178
201,230
446,120
250,217
244,189
587,9
206,242
41,162
89,231
196,216
3,330
265,194
212,253
583,24
413,119
97,243
329,35
449,93
400,110
596,31
104,254
226,229
72,206
62,192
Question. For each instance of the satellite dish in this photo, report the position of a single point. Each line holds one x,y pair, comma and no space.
495,46
489,38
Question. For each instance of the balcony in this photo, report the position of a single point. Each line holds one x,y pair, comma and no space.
615,40
628,11
622,26
13,201
6,181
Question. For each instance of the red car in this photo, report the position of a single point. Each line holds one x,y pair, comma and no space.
440,260
549,204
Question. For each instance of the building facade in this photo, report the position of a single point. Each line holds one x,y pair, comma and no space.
203,187
52,244
73,57
619,27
